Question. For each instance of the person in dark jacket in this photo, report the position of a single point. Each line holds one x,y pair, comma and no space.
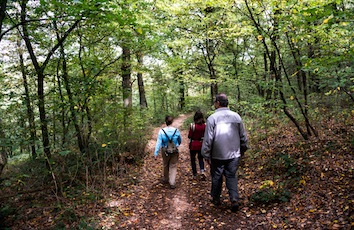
195,135
225,141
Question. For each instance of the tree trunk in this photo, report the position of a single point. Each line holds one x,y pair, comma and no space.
209,57
126,77
2,14
142,96
3,160
181,90
40,75
3,155
86,138
273,70
62,106
70,96
30,113
126,84
40,83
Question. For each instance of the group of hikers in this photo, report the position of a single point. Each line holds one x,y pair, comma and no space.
220,141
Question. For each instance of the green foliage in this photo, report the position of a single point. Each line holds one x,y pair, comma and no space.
269,195
83,225
285,169
255,108
5,211
200,102
284,165
69,215
17,159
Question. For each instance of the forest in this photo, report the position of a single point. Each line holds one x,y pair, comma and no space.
86,83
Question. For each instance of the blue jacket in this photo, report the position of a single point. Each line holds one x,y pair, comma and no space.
224,135
162,139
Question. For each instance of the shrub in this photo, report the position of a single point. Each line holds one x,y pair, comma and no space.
270,195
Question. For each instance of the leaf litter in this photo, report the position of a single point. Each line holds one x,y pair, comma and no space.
318,174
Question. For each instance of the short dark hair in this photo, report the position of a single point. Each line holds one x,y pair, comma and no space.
169,120
222,99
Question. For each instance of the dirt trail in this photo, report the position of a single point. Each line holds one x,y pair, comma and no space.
177,201
150,204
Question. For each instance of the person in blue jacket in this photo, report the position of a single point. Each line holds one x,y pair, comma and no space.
169,160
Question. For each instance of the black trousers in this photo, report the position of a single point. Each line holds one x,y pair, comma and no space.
193,154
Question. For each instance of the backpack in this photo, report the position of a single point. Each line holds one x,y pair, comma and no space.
171,147
192,127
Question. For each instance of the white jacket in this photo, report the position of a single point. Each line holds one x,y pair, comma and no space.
224,135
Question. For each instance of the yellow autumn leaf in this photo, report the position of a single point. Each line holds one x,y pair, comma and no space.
267,183
291,97
326,21
260,37
104,145
139,31
302,182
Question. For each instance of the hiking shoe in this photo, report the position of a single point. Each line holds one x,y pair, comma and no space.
172,186
163,181
216,202
234,206
202,176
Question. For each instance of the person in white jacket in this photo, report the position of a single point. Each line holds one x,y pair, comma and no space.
225,141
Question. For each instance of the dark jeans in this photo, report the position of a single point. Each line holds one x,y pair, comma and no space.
228,168
193,154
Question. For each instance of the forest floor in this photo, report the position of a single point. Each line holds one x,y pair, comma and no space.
284,183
